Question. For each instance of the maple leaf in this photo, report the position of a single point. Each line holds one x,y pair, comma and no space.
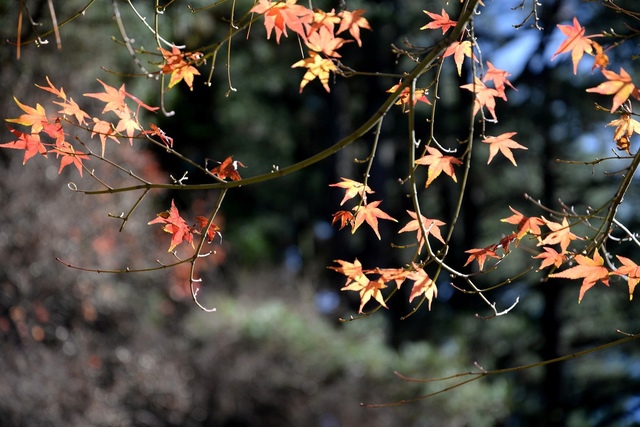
213,230
431,226
481,255
459,50
112,96
324,19
439,21
228,169
504,143
560,233
317,67
423,285
29,142
34,117
484,97
602,60
174,225
438,163
58,92
283,15
590,270
353,189
626,126
367,289
404,98
631,270
178,67
127,124
576,42
104,130
525,224
156,131
499,79
353,270
370,213
398,275
69,157
325,42
345,218
619,85
550,257
353,21
71,108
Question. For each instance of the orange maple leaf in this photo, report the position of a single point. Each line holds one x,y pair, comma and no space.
370,213
156,131
504,144
459,50
174,225
283,15
560,234
431,226
353,270
69,156
58,92
34,117
104,130
112,96
324,19
525,224
481,255
576,42
345,218
353,189
438,163
485,97
325,42
71,108
631,270
550,257
29,142
353,21
499,78
602,60
128,123
619,85
398,275
590,270
367,289
179,69
228,169
626,126
317,67
404,98
439,21
422,285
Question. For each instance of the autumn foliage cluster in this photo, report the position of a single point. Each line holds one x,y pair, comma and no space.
73,137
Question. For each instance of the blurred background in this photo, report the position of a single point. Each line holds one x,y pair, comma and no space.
83,348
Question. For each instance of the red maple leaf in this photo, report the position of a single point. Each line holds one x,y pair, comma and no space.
439,21
345,218
431,226
438,163
228,169
353,189
29,142
370,213
484,97
631,270
481,255
504,144
156,131
213,230
353,21
590,270
618,85
174,225
576,42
